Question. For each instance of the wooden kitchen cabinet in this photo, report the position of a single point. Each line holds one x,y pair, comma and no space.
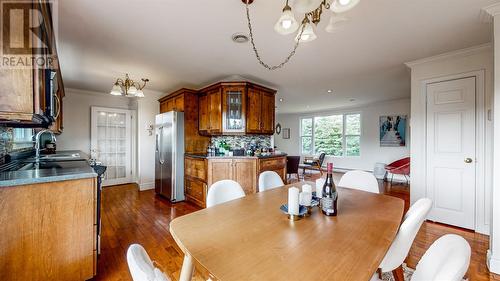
241,170
186,100
261,111
236,108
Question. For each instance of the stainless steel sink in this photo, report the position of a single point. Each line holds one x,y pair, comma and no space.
56,157
40,165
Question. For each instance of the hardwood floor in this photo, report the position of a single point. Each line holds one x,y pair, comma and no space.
130,216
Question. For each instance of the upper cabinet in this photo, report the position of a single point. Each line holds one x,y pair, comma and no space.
31,96
229,108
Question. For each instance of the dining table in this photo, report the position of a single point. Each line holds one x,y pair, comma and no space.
252,239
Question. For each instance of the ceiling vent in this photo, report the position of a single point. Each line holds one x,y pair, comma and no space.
239,38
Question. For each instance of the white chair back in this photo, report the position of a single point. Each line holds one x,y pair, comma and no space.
447,259
407,231
223,191
269,180
360,180
140,265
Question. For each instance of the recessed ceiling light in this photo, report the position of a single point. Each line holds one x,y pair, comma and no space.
281,99
239,38
329,91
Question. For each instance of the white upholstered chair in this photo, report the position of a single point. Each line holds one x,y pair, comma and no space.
140,265
269,180
223,191
447,259
360,180
401,245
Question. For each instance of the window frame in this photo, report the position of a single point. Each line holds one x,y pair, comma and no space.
344,135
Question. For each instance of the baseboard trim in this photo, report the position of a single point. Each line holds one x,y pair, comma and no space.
146,186
493,263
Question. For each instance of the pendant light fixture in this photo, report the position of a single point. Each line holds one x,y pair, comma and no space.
128,87
312,11
287,23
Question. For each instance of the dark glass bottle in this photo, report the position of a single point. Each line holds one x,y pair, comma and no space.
330,196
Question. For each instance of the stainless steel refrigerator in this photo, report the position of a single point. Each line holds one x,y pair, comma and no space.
169,159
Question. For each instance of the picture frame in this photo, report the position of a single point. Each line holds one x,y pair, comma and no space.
286,133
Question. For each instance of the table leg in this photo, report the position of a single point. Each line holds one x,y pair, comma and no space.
187,269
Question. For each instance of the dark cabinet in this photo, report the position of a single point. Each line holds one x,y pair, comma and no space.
230,108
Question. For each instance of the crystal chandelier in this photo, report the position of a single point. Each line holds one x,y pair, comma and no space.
128,87
312,11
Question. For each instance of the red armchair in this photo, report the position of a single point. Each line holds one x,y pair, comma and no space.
400,167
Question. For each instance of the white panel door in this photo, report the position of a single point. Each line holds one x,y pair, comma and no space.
451,151
111,143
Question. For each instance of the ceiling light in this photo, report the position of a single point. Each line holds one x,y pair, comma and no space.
281,99
306,6
116,90
329,91
287,23
341,6
307,35
128,87
336,23
312,11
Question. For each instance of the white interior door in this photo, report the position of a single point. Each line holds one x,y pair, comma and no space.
111,143
451,151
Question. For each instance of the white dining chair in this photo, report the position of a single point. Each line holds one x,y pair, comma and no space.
269,180
401,245
223,191
141,267
447,259
360,180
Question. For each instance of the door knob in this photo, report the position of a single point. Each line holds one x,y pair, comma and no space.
468,160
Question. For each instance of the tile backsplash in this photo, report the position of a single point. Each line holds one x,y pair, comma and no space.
236,142
5,141
14,140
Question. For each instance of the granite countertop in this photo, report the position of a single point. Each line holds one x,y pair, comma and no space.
204,155
50,170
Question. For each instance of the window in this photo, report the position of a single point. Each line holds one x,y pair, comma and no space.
22,138
335,135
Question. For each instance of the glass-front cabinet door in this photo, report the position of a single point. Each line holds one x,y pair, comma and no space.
234,109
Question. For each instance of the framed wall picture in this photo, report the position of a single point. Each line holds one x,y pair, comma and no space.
392,130
286,133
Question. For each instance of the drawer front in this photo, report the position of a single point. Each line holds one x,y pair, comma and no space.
272,164
195,168
195,190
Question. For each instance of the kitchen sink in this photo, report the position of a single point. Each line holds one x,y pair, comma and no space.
41,165
57,157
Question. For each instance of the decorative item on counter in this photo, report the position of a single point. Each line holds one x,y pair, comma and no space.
319,187
293,203
50,148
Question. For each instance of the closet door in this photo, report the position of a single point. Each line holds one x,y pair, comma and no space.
111,143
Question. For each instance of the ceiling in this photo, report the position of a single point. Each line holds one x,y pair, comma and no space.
188,43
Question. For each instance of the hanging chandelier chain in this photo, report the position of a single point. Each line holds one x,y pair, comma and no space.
267,66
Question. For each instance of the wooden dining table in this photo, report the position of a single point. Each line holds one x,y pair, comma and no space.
251,239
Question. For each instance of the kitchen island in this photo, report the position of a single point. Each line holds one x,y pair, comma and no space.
202,170
48,218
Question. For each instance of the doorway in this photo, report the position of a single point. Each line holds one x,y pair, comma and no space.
111,143
451,159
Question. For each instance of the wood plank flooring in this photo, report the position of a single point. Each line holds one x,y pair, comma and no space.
130,216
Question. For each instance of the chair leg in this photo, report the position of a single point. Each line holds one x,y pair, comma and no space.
398,274
392,177
187,269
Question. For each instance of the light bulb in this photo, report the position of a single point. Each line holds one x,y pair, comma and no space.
308,34
286,23
341,6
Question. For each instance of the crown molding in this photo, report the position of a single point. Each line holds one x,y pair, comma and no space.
489,12
452,54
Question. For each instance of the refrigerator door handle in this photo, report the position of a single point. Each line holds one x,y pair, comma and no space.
159,141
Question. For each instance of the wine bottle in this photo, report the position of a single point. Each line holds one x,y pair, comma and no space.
330,196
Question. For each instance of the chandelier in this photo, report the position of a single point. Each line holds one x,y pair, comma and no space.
312,11
128,87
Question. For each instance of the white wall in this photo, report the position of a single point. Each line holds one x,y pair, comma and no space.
76,114
147,108
371,152
76,134
455,64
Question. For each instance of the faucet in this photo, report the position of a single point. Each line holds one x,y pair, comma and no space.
37,142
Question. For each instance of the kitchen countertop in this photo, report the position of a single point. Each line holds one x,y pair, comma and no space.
203,156
50,171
